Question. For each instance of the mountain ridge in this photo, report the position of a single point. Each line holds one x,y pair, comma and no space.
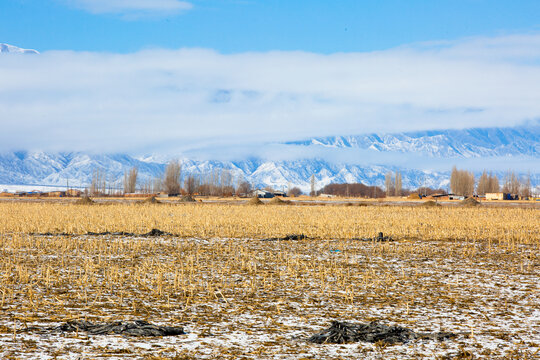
76,168
467,143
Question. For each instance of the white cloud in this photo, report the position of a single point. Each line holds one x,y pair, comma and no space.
132,7
164,99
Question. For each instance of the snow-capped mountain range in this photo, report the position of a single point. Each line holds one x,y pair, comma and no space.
41,168
6,48
468,143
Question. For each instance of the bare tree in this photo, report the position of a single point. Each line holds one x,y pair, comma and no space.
493,184
97,182
243,188
462,182
190,184
454,180
483,183
389,184
398,185
157,185
312,186
526,187
511,183
171,182
487,183
227,188
294,192
130,180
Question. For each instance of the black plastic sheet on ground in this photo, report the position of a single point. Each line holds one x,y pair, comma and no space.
153,232
130,328
343,332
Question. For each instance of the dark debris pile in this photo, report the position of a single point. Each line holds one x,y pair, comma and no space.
379,238
135,328
343,332
288,237
153,232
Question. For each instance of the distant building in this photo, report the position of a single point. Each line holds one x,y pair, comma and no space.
56,194
262,194
439,196
501,196
280,193
73,193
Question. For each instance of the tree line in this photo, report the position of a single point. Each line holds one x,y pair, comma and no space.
226,183
216,183
462,182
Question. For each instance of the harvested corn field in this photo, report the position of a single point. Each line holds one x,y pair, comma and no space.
500,225
468,272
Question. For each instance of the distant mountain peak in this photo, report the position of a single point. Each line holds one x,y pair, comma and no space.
10,49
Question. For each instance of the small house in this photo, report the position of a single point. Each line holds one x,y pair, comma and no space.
262,194
73,192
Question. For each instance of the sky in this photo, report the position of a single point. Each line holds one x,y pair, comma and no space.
144,76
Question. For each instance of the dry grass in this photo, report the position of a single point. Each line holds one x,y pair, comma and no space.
510,226
460,269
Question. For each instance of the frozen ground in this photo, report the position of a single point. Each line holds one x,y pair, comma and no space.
253,299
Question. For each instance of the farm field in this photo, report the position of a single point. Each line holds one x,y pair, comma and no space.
220,272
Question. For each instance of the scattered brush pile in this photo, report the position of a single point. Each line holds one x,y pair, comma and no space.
255,201
470,202
187,198
150,200
431,203
85,200
279,201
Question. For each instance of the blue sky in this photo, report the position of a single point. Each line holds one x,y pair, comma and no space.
172,76
232,26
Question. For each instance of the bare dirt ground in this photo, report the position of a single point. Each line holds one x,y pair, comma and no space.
253,299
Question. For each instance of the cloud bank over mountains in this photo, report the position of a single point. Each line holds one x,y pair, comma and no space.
177,100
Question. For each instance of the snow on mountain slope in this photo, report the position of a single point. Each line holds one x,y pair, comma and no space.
40,168
6,48
467,143
59,168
